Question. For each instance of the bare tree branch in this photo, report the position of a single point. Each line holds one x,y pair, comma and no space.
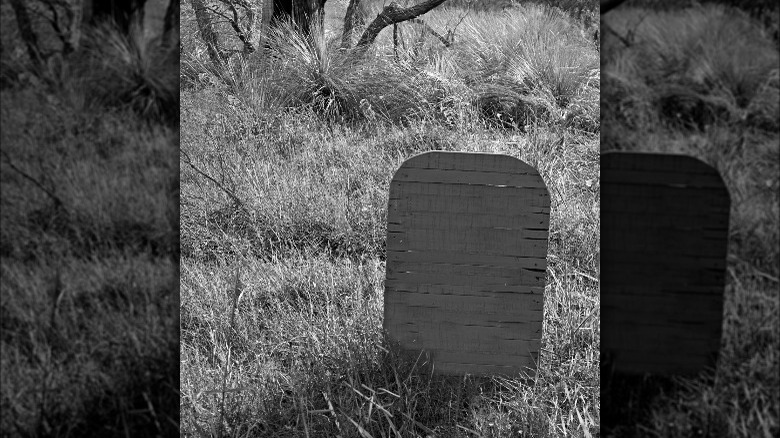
234,22
64,17
395,40
351,20
206,30
428,29
266,13
391,14
232,195
171,26
236,25
54,21
50,193
242,20
26,31
75,20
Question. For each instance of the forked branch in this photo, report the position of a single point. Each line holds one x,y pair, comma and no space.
392,14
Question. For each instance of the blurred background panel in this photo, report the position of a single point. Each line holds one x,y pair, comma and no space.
701,79
89,229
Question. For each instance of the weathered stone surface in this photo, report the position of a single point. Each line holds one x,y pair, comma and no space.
664,239
466,261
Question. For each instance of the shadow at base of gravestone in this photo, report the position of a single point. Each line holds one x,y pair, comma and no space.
467,237
408,361
628,400
410,373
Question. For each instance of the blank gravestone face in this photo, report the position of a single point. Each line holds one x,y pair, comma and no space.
466,261
664,231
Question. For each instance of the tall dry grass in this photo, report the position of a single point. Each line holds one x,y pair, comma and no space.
89,303
506,72
285,172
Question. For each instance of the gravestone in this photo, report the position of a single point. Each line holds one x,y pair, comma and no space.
466,261
664,238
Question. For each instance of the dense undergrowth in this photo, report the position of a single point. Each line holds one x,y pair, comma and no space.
89,252
704,82
286,163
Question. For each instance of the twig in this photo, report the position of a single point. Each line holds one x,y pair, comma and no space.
57,201
427,28
582,274
234,23
232,195
622,39
56,297
395,40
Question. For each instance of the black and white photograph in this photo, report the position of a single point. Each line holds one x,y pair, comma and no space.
690,173
89,173
389,218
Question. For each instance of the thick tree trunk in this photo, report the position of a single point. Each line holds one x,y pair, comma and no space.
87,8
302,13
26,31
352,19
171,27
206,29
121,11
75,17
266,12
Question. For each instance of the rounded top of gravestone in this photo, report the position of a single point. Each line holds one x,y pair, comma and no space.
484,163
678,170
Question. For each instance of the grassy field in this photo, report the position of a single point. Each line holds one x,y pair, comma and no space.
285,174
704,82
89,304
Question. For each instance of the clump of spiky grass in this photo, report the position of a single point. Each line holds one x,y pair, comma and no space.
131,69
532,66
313,72
527,69
528,65
702,66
